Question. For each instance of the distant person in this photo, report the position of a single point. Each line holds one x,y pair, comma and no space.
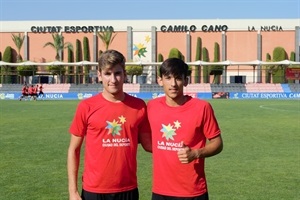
30,92
111,124
180,126
35,92
24,92
41,93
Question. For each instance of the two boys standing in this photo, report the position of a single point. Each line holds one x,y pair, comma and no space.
112,124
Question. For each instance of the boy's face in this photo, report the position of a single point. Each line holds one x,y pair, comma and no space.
112,79
173,86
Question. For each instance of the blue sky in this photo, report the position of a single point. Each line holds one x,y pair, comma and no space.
11,10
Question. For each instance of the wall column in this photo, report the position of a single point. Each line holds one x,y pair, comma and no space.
188,47
297,40
259,57
188,50
61,51
26,46
129,43
95,47
224,57
153,54
95,54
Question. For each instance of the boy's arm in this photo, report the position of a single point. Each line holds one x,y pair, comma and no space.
146,141
73,166
214,146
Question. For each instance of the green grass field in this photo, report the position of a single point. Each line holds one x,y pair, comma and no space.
260,160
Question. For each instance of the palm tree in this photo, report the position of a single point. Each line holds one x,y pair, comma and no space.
59,45
106,37
18,40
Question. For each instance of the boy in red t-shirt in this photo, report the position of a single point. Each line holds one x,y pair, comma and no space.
41,93
112,123
30,91
34,92
24,92
180,126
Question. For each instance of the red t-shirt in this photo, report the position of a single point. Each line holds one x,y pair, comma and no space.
34,90
111,140
30,90
24,90
191,123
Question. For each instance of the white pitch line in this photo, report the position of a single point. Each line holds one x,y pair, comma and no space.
277,109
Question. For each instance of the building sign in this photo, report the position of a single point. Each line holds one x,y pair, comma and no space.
193,28
214,28
70,29
266,28
265,95
163,28
178,28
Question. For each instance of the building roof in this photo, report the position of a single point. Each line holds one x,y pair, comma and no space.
146,25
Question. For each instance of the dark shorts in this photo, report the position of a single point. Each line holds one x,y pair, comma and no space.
128,195
163,197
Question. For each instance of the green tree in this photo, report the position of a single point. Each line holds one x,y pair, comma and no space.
160,58
70,69
59,45
78,53
278,71
133,70
175,53
107,37
293,56
86,49
27,70
268,75
18,40
100,53
216,70
56,70
5,69
197,69
205,58
268,57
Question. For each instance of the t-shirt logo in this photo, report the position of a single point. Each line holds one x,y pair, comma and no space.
114,127
170,130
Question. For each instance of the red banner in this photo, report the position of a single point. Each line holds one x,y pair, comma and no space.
292,73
